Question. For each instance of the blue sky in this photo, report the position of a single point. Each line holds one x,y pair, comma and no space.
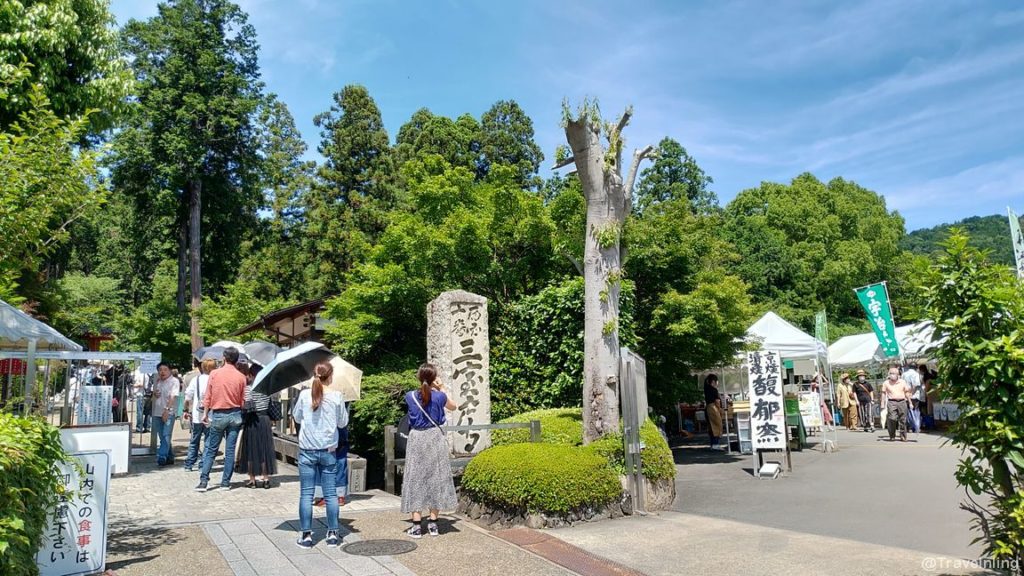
921,101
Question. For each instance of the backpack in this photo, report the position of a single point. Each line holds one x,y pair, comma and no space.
402,437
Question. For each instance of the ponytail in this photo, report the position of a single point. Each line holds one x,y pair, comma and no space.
427,374
322,375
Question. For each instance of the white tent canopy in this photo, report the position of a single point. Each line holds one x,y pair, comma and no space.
862,350
18,329
772,332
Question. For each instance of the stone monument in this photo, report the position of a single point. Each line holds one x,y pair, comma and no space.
458,344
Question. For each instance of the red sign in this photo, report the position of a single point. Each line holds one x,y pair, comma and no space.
12,366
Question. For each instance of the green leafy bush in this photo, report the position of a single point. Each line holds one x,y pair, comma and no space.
978,311
565,426
655,457
380,405
540,478
537,356
557,426
29,487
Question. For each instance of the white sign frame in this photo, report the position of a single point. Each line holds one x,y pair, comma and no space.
764,370
99,462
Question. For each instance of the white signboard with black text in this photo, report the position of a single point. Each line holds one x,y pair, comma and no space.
95,405
810,410
767,415
75,541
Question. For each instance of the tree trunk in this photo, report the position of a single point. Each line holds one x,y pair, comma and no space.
182,262
609,199
195,261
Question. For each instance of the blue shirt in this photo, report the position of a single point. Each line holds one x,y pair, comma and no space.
319,429
417,419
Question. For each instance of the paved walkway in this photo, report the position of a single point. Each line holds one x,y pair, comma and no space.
676,543
159,525
725,522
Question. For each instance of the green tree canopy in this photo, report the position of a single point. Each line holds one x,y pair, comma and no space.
807,245
346,208
506,137
488,237
71,47
45,185
199,94
675,175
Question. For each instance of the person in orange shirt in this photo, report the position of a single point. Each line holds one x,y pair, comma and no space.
222,414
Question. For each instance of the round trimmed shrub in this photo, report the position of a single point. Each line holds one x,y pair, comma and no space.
565,426
540,477
557,426
655,457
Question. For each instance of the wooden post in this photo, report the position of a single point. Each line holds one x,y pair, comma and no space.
534,430
389,459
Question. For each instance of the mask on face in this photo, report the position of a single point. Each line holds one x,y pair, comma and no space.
860,378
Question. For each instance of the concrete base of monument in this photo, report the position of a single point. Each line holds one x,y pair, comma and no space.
659,495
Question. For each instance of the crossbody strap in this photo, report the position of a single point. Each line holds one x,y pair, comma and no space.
417,401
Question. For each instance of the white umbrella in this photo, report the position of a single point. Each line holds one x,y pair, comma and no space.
290,367
216,350
346,379
261,352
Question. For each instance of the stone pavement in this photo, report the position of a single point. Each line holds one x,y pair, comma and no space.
675,543
159,525
267,546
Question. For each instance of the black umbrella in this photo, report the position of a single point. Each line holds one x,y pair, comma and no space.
261,352
290,367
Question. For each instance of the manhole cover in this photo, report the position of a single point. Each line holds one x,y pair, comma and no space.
379,547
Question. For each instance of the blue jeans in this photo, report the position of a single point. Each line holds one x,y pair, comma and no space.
163,430
141,420
341,453
200,433
223,424
314,464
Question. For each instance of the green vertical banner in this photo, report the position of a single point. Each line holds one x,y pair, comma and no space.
1018,242
875,300
821,327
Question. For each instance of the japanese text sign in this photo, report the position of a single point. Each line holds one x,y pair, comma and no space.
767,417
75,541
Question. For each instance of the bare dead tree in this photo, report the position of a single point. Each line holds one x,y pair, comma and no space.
609,199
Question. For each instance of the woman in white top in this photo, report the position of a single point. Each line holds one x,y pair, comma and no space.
194,413
319,413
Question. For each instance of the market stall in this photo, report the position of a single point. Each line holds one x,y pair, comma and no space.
23,336
801,355
863,350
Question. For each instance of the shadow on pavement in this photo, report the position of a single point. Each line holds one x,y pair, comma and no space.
135,541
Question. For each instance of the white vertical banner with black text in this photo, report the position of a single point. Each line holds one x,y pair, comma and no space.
75,542
767,415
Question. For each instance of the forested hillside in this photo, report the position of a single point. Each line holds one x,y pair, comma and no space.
987,232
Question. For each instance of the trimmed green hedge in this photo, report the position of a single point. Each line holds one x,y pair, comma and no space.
565,426
656,456
29,487
541,477
557,426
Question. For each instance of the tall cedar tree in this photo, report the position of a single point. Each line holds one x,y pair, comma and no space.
346,209
189,151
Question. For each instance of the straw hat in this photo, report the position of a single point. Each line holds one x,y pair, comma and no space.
844,376
861,373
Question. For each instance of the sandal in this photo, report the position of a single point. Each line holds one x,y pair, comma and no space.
250,484
266,484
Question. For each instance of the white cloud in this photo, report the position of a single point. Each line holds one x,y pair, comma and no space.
991,184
